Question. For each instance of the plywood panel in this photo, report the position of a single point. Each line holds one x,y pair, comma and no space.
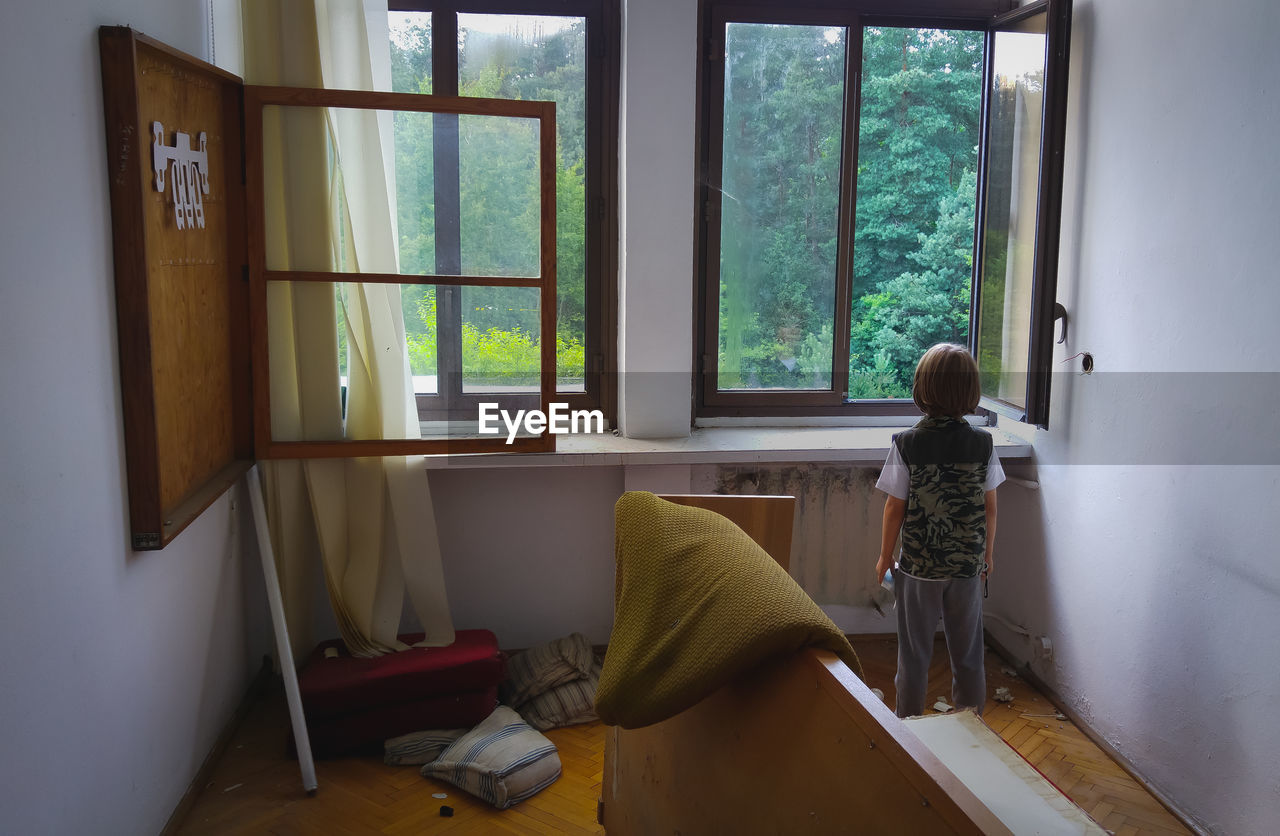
769,520
790,747
189,287
181,304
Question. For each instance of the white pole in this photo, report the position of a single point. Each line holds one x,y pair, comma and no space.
303,743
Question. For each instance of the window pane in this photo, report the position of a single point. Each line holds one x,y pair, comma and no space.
538,57
1017,99
418,303
783,102
410,51
500,345
499,201
315,396
916,189
499,198
418,308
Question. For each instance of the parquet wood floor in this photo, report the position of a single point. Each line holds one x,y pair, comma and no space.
1050,743
256,789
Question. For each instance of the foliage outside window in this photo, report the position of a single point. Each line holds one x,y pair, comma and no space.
488,344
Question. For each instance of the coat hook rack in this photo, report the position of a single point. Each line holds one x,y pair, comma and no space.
189,176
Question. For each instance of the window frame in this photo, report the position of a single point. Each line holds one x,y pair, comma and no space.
600,203
710,402
255,99
1044,284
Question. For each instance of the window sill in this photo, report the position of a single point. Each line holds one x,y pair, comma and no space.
715,445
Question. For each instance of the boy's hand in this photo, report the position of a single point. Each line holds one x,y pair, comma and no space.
884,564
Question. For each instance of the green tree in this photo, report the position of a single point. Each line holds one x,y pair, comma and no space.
913,238
499,193
783,100
917,136
917,151
917,309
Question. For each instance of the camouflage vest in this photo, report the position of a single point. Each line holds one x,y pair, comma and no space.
944,532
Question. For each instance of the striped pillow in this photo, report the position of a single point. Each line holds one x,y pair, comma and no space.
539,669
564,705
502,760
419,747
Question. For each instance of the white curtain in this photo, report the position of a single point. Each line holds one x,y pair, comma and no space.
368,523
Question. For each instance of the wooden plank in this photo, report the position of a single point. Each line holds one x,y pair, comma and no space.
547,166
788,748
237,276
125,154
256,259
414,102
179,300
357,448
402,278
203,67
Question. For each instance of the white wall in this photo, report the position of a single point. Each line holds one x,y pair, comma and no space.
1149,556
117,669
528,552
656,194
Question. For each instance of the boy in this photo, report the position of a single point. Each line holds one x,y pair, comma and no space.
941,477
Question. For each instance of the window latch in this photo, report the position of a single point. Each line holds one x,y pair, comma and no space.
1059,312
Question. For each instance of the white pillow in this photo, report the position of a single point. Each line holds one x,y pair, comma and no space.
539,669
419,747
564,705
502,760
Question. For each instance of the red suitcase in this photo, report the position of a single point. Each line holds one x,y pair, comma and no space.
353,705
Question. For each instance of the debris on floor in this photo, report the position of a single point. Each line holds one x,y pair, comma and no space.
1057,715
879,694
439,795
1008,671
941,705
1004,695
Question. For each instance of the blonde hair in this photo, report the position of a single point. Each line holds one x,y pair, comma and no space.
946,382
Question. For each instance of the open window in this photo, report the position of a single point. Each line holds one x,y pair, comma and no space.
510,261
856,202
196,220
1016,278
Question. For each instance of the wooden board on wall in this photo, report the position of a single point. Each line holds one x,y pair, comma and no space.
181,295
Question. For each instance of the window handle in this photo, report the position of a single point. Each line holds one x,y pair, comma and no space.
1060,312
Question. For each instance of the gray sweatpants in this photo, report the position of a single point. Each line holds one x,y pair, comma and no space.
919,605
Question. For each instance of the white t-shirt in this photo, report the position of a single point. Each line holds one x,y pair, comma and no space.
895,479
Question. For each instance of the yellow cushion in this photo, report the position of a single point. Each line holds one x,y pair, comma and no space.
697,602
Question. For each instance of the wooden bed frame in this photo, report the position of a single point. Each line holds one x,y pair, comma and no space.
800,745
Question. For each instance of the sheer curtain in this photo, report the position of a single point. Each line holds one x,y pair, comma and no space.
330,182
